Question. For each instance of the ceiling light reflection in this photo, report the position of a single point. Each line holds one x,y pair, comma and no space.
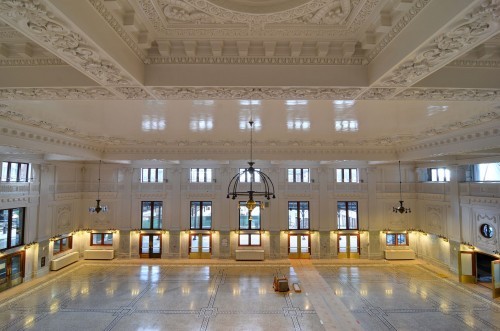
343,103
153,123
201,124
296,102
346,126
204,102
433,110
299,125
249,102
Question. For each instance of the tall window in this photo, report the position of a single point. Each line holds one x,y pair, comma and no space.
298,175
245,223
347,215
486,172
150,175
298,215
151,215
15,172
11,227
101,239
200,175
201,215
347,175
62,245
439,174
396,239
245,176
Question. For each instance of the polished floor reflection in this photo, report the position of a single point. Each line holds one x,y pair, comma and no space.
164,295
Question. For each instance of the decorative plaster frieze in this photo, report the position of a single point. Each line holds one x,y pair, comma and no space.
475,63
67,196
273,93
156,195
134,93
449,94
31,62
108,17
38,23
9,34
377,94
259,60
484,201
475,27
77,93
396,28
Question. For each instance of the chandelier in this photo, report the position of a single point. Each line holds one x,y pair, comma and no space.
98,208
251,174
401,209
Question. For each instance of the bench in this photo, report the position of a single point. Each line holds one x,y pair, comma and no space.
399,254
98,254
249,255
63,261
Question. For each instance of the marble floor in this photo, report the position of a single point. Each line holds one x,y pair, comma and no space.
229,295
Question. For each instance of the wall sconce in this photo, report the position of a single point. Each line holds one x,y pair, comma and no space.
443,237
113,230
496,252
33,243
164,231
56,237
136,231
386,230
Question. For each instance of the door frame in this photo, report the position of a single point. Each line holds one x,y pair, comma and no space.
8,270
299,254
150,254
348,254
200,254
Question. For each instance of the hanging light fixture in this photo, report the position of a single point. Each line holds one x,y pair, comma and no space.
401,209
98,208
251,173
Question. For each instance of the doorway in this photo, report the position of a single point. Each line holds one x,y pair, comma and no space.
200,246
11,270
150,246
299,246
348,246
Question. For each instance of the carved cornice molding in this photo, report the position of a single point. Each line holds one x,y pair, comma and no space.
108,17
32,62
276,93
134,93
258,60
475,63
54,33
377,94
77,93
449,94
475,26
396,28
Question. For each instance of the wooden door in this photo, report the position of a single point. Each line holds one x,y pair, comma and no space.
200,246
299,246
150,246
11,270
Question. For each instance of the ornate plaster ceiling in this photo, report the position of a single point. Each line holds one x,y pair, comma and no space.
178,79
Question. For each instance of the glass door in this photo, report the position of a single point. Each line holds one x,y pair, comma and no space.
200,246
11,270
495,279
467,267
299,246
348,246
150,246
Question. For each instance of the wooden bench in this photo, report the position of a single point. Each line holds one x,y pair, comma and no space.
63,261
98,254
249,255
399,254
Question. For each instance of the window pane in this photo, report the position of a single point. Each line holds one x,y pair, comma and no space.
304,215
195,214
159,178
244,240
244,216
206,215
4,228
108,239
5,166
290,175
144,175
339,175
255,223
341,215
57,246
208,175
23,172
157,214
305,177
401,239
152,175
293,223
390,239
17,227
201,175
146,215
13,172
255,239
354,175
346,175
434,176
96,238
353,215
193,177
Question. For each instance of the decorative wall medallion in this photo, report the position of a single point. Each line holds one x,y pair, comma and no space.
476,26
51,31
487,231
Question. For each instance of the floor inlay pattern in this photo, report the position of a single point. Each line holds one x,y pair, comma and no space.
134,296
